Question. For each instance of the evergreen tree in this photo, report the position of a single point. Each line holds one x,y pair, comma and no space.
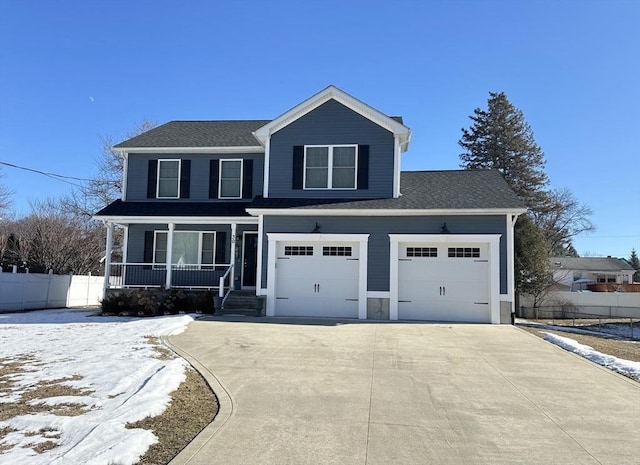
501,139
533,274
635,263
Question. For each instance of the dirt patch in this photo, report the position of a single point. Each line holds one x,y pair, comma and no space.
193,406
163,353
628,350
42,446
26,402
24,405
3,434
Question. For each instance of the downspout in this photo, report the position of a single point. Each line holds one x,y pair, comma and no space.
511,280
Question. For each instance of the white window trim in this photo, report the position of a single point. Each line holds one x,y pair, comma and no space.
330,168
200,239
220,177
158,177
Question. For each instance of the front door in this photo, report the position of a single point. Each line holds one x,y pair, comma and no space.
249,259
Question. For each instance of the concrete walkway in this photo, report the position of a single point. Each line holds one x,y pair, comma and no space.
366,393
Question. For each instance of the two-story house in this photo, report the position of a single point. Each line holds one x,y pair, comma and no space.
312,211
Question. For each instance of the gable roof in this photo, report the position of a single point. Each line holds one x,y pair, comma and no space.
197,134
460,190
590,264
333,93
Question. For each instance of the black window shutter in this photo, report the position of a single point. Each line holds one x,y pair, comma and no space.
152,179
185,179
214,168
298,166
148,248
221,247
363,167
247,181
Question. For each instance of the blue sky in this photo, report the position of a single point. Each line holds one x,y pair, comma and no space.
71,71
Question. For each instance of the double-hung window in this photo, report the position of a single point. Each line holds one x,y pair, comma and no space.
196,248
168,186
330,166
230,179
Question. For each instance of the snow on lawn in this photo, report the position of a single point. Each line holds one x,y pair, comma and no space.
618,330
109,359
626,367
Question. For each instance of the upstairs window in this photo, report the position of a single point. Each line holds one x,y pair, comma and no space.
330,166
230,179
168,179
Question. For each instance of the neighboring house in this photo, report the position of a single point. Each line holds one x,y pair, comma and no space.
312,211
577,272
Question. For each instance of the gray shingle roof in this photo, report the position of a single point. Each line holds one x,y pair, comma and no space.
120,208
237,133
590,263
222,133
423,190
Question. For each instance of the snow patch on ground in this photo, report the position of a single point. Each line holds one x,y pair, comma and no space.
625,367
109,359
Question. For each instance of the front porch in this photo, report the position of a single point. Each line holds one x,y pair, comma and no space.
215,254
151,275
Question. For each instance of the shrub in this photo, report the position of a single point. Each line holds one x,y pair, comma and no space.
117,303
203,302
174,301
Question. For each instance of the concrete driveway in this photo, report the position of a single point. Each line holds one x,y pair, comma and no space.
375,393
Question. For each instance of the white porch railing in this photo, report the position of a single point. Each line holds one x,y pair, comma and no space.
221,287
149,275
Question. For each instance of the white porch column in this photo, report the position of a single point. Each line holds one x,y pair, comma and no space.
107,258
234,227
259,261
167,283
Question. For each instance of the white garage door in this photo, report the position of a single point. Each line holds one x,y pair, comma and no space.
317,279
444,282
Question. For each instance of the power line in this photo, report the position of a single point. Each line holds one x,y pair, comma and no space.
58,177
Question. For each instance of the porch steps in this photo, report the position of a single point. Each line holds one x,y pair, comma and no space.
241,303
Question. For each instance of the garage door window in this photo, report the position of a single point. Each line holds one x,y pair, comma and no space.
336,251
422,252
464,252
297,250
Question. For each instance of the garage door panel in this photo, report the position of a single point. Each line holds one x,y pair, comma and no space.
322,282
414,289
321,307
443,282
458,311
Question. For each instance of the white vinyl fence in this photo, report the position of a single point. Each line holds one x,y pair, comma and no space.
604,304
30,291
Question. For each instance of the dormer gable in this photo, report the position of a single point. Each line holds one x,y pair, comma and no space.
334,124
333,93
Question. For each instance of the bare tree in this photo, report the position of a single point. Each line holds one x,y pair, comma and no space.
106,185
561,219
5,197
51,238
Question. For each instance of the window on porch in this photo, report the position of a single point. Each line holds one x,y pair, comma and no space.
189,248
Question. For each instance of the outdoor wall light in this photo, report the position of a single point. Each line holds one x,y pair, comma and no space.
444,229
316,229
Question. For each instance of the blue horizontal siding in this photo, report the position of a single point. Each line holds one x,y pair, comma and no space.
332,123
379,229
139,164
